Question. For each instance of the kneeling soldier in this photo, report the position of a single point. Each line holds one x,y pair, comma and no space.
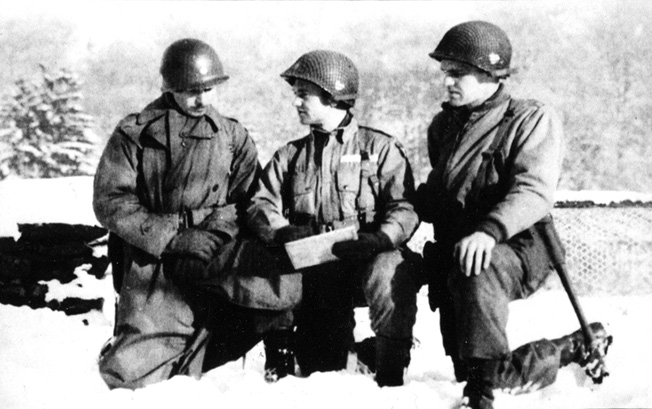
496,162
169,187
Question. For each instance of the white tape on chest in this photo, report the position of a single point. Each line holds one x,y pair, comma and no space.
350,158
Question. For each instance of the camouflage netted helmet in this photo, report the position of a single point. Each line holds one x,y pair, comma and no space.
190,64
478,43
333,72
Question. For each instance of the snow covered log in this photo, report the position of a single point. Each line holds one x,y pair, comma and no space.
47,252
51,248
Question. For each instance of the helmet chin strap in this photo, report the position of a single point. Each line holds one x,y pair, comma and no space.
503,73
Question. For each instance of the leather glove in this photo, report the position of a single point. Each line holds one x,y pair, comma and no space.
196,243
187,270
291,233
365,247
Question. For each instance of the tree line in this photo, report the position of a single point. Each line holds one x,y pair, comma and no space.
592,65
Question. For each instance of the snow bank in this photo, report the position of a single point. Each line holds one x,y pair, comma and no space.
69,200
48,359
57,200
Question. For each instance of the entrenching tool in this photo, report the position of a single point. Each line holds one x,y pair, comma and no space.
595,347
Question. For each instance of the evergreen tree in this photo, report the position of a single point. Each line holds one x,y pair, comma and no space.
44,131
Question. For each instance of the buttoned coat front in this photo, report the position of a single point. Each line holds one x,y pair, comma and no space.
157,165
357,176
321,180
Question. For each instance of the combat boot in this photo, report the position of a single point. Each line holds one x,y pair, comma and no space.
279,355
479,402
478,392
392,358
365,351
573,346
460,368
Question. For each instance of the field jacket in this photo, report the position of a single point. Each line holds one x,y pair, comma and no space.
494,169
354,175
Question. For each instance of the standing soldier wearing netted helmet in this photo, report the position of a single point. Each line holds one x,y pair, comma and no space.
169,187
342,174
496,162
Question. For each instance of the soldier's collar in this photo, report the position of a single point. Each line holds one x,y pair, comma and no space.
349,129
165,102
213,118
154,110
500,96
344,131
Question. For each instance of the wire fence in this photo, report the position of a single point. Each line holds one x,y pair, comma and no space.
608,247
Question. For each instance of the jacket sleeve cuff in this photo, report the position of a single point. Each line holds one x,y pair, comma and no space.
494,229
155,235
222,220
384,242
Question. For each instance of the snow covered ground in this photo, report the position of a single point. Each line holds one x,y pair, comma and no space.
48,360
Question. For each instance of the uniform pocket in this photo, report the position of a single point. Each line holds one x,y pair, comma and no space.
487,188
348,186
537,265
303,198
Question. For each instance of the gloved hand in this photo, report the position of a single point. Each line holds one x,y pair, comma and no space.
291,233
365,247
194,242
186,270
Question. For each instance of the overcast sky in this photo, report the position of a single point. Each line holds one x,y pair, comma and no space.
102,21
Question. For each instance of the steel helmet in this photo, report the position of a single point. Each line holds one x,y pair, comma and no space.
333,72
189,64
477,43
